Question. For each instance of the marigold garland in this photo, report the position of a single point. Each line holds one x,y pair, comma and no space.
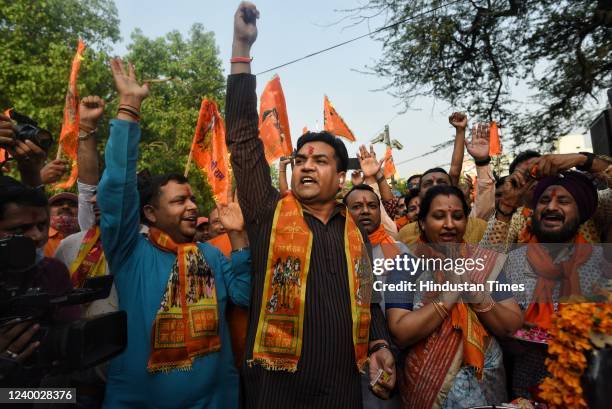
570,338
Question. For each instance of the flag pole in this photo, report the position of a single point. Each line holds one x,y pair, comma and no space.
59,152
189,159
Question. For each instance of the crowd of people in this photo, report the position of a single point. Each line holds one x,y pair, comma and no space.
271,300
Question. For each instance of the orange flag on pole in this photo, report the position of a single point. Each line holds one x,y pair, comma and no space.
274,122
389,166
333,123
210,152
494,144
69,135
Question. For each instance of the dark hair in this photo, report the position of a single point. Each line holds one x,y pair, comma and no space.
15,192
341,154
438,190
433,170
500,182
522,157
361,186
413,177
410,195
149,188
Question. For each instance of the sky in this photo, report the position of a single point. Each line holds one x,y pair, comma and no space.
291,29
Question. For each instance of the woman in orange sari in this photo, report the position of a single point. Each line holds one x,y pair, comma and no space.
452,359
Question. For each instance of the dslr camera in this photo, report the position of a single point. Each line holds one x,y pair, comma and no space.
64,347
27,128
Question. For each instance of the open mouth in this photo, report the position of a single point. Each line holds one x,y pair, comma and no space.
365,222
448,237
307,181
190,219
552,220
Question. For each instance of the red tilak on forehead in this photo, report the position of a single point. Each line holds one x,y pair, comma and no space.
310,150
553,193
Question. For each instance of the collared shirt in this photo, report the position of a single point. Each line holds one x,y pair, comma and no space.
327,375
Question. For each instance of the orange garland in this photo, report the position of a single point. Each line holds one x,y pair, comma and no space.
569,339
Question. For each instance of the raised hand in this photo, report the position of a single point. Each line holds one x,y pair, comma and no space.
370,166
478,146
282,164
514,188
231,217
53,171
459,120
130,91
91,110
356,177
7,132
245,27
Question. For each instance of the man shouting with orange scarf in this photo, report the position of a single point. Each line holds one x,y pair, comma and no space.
175,291
558,262
312,327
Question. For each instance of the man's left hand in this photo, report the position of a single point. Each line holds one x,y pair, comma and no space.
383,359
231,217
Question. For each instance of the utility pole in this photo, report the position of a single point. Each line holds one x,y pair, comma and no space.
385,137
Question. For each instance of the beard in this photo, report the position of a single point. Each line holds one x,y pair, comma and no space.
565,234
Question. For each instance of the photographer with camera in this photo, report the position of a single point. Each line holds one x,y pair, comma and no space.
30,157
24,226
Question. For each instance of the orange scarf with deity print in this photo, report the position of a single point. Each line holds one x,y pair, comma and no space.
187,323
278,342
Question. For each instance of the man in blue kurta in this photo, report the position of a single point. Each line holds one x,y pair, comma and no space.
154,284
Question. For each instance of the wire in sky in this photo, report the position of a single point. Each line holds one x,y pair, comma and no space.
359,37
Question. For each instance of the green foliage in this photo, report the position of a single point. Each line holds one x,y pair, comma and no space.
39,39
170,114
471,54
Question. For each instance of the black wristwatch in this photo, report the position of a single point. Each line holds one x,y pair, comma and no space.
377,347
586,167
483,162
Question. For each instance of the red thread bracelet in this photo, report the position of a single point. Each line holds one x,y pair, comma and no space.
241,59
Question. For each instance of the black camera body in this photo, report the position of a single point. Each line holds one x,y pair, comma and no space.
27,129
64,347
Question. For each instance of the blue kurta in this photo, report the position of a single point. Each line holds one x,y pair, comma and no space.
141,273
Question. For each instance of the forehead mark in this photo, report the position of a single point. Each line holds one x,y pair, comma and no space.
310,150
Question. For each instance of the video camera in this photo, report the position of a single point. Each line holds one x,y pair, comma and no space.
27,128
64,347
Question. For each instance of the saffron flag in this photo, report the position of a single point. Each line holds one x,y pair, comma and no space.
69,135
494,144
389,166
274,122
333,123
210,152
4,156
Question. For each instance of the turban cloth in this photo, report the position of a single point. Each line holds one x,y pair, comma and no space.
578,185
